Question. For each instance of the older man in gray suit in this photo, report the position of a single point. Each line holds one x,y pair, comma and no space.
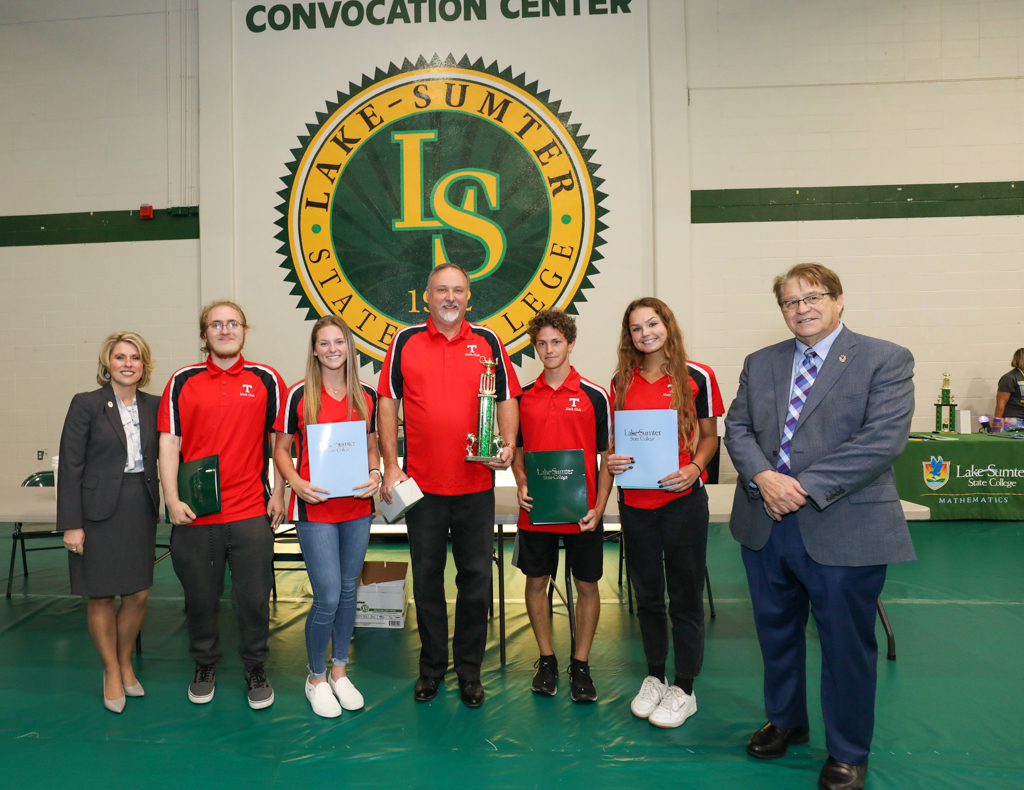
813,433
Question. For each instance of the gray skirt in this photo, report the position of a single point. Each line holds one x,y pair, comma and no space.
118,555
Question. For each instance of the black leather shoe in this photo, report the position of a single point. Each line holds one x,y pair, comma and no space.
426,688
770,742
472,693
840,776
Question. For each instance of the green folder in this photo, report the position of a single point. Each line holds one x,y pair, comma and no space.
199,485
557,482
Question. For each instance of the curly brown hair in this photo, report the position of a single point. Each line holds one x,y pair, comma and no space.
674,366
556,319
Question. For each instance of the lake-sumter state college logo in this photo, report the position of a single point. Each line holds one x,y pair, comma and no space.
434,162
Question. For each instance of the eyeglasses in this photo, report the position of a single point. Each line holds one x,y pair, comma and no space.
810,301
234,326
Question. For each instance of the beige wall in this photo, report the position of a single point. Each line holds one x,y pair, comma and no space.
94,115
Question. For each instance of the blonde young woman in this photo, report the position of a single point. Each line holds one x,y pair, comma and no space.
107,504
333,533
666,529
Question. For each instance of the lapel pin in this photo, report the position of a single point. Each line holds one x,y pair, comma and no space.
842,358
110,404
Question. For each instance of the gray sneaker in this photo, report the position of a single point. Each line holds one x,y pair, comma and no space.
200,690
261,693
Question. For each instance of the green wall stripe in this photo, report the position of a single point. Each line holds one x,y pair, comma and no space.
93,227
891,201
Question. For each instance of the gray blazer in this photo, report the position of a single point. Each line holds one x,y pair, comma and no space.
93,452
852,428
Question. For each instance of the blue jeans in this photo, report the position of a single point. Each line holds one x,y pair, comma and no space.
334,555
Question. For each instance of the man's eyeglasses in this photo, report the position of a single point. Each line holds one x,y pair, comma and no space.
216,326
810,301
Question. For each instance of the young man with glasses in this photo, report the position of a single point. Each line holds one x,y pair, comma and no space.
814,431
225,407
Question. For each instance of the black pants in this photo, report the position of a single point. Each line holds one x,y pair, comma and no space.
669,543
469,518
199,553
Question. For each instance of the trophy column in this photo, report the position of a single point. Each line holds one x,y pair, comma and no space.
484,439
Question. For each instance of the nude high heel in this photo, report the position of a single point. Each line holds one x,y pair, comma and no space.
115,705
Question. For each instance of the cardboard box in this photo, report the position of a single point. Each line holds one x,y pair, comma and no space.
382,595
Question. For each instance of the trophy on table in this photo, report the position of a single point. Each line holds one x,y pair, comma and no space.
945,409
484,439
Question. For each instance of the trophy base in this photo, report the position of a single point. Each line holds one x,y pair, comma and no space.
483,459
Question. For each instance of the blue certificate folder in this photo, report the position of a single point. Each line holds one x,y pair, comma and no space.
651,437
338,460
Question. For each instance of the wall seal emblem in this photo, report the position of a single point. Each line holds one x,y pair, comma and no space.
433,162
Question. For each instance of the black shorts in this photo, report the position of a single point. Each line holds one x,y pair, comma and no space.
536,553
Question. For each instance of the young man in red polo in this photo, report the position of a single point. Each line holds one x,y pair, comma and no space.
226,407
434,369
561,410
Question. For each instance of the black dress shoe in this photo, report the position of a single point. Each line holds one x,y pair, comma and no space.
840,776
770,742
426,688
472,693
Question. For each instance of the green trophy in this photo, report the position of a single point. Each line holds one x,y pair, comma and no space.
484,438
945,409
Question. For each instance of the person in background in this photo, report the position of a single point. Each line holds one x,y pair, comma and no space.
107,504
333,532
434,368
561,410
815,428
225,406
666,529
1010,390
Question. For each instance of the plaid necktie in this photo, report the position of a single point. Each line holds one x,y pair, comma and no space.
801,386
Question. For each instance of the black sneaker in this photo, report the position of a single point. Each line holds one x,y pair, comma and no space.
546,679
581,687
261,693
200,690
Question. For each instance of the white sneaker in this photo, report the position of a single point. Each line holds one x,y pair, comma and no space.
347,694
323,701
649,697
675,708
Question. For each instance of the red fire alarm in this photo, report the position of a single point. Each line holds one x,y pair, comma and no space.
146,211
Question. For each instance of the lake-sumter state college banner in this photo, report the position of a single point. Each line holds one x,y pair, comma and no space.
364,157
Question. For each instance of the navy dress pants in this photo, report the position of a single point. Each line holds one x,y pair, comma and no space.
784,580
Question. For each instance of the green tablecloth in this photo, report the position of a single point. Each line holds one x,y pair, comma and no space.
975,477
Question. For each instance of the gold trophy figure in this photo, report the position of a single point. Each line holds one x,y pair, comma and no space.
484,438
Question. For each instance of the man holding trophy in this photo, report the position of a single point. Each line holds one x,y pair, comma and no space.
436,370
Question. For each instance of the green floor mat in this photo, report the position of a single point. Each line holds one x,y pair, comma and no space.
950,710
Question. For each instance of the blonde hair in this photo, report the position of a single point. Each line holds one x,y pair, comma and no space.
314,375
674,366
103,371
204,321
1018,359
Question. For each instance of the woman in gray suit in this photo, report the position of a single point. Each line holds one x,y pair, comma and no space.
107,504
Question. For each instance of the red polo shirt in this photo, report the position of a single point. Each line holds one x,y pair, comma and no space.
707,400
575,416
227,413
438,382
292,420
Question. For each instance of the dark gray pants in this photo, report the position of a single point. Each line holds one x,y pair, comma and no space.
469,518
199,554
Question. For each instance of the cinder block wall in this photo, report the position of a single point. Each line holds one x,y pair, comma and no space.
811,93
745,96
90,120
